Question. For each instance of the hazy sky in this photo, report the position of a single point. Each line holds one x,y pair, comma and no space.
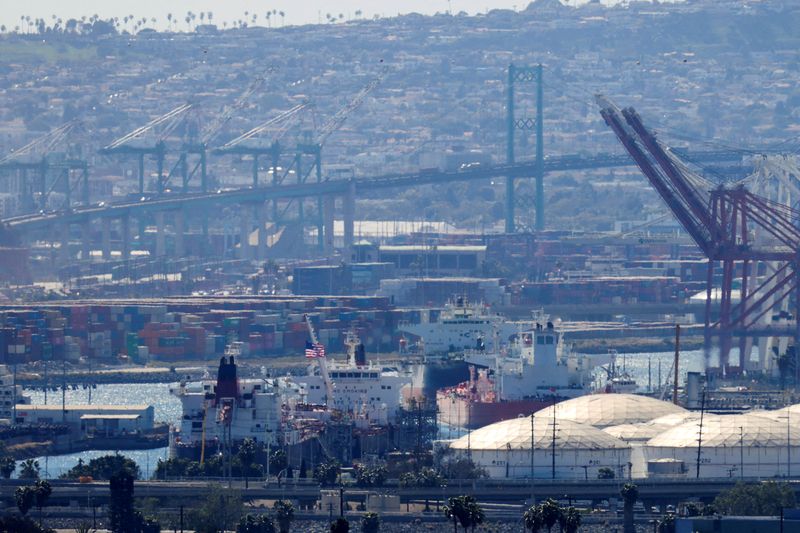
297,11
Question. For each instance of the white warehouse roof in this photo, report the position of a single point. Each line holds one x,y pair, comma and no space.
605,410
515,434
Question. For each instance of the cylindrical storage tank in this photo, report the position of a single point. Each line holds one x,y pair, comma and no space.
503,449
749,445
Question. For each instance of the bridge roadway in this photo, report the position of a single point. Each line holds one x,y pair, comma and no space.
489,491
169,202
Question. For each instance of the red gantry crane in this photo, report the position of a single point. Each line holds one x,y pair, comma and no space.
749,236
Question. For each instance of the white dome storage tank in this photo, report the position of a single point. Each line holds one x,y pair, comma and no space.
748,445
503,449
605,410
644,431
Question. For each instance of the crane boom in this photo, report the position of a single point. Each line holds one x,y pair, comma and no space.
173,114
321,361
265,125
213,129
45,143
338,119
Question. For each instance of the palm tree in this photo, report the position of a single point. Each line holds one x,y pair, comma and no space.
284,515
533,519
7,463
169,20
29,469
464,510
569,520
550,512
629,493
269,18
283,17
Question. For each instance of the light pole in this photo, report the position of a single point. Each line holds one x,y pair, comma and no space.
269,452
741,452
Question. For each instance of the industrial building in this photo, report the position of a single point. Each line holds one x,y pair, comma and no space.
89,418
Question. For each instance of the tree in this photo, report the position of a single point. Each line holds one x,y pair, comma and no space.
605,473
370,523
122,517
220,510
41,491
24,497
370,476
464,510
327,472
755,499
532,518
667,524
284,515
103,467
255,524
29,469
278,462
340,525
246,455
569,520
550,512
7,466
629,493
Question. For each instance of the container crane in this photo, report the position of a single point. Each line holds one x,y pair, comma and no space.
208,135
36,157
169,121
278,125
321,361
732,226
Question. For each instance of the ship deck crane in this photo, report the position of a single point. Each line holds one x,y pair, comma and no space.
321,361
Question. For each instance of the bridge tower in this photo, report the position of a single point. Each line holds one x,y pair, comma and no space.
525,75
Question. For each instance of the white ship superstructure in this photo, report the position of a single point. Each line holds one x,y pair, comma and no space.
461,325
230,408
368,392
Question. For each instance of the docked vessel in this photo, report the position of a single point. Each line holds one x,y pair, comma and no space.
220,414
460,326
534,372
366,392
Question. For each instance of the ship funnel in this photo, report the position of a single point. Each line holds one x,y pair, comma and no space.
361,355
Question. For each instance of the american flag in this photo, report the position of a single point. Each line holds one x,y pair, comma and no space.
315,350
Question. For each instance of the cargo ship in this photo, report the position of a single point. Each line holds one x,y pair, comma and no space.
535,371
462,327
461,324
217,415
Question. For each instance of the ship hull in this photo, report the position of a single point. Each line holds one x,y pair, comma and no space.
459,412
437,374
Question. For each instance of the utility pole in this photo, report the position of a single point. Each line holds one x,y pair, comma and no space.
741,452
553,450
533,445
700,433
